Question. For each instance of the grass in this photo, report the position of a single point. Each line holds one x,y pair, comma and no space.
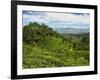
53,52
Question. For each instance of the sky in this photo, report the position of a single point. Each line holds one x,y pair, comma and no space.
58,19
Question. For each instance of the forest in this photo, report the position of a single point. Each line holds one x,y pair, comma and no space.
44,47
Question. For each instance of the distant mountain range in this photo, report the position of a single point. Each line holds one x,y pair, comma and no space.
71,30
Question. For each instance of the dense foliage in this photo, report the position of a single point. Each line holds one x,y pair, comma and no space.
44,47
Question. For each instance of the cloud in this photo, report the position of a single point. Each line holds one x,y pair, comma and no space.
33,13
69,17
55,19
82,14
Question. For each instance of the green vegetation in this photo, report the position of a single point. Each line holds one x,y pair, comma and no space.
44,47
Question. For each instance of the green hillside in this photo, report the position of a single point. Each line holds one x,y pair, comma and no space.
43,47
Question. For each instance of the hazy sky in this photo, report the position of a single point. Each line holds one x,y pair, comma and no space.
57,20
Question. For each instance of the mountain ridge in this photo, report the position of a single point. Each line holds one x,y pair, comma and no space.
71,30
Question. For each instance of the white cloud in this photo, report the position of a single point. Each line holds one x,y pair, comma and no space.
61,19
69,17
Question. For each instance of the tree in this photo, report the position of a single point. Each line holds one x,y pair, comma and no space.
34,32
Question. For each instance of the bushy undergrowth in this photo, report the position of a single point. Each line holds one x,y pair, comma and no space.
50,49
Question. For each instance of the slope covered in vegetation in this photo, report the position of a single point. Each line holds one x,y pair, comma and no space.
44,47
